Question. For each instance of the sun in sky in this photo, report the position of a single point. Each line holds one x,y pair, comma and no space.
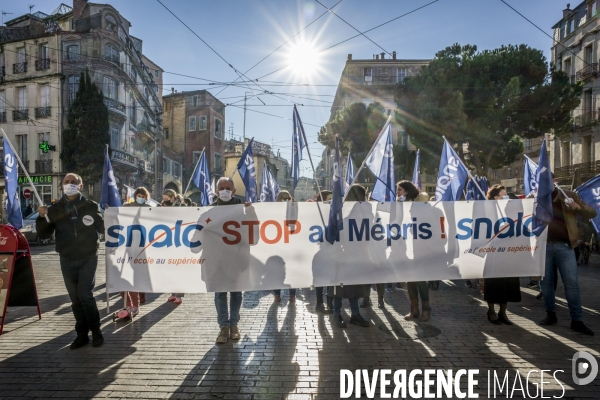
303,58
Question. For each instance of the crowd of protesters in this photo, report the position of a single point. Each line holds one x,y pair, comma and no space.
78,223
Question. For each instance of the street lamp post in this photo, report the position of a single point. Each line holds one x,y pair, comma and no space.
245,98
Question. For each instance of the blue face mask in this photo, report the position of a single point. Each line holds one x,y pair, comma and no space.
140,200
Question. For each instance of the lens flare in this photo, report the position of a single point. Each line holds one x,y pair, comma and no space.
303,58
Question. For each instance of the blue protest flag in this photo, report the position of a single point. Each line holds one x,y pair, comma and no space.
11,178
298,144
529,176
349,178
381,163
471,190
247,171
452,175
336,218
542,207
484,185
416,178
269,188
201,179
109,193
590,194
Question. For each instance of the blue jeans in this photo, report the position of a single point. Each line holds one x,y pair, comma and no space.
337,306
225,318
277,292
563,256
79,277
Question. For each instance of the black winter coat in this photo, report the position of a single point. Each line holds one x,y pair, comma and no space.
73,241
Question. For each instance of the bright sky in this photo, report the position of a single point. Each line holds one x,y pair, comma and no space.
243,32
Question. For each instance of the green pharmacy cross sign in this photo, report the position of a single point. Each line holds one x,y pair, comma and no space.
45,147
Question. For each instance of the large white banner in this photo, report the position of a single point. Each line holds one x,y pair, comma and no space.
281,245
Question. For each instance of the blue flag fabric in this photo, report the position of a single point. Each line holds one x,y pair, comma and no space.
349,174
542,206
11,178
201,179
471,190
416,178
484,185
298,145
590,194
336,218
109,193
530,176
269,188
381,163
452,175
248,172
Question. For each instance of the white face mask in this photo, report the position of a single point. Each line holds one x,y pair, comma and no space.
402,198
225,195
70,189
505,197
140,200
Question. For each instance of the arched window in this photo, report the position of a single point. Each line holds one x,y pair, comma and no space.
111,54
111,23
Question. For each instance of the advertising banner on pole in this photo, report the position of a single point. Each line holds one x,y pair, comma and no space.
281,245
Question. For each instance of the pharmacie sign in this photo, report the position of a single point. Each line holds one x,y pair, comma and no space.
37,180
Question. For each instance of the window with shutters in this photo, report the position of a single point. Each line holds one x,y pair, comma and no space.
45,95
110,88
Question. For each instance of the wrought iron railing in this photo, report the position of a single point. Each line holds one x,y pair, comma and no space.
85,24
43,112
585,119
125,158
587,72
20,115
43,166
43,64
145,166
586,170
390,79
113,104
20,68
3,116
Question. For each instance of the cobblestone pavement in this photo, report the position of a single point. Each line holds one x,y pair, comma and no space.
287,350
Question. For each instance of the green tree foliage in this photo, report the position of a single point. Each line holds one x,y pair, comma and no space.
485,100
87,132
357,127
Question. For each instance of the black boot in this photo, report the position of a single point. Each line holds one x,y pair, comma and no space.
330,304
97,338
580,327
366,302
550,319
80,341
339,321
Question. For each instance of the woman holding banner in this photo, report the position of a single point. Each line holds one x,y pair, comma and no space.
500,290
407,191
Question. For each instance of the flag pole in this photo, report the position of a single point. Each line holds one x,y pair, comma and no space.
370,151
554,183
35,192
468,172
193,172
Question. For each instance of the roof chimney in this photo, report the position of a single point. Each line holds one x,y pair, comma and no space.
377,56
382,56
349,57
567,12
172,90
78,6
393,55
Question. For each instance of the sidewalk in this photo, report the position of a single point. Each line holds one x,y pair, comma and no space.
287,350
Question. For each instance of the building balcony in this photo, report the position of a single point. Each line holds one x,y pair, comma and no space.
43,166
114,105
591,70
20,115
2,116
124,161
391,79
20,68
586,170
43,64
43,112
585,119
146,166
85,24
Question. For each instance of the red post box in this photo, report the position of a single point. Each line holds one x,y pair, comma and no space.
17,282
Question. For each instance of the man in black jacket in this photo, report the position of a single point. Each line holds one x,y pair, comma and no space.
76,222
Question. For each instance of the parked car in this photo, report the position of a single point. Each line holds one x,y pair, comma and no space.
29,231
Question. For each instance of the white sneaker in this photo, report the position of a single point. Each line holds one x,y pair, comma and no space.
223,335
235,333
